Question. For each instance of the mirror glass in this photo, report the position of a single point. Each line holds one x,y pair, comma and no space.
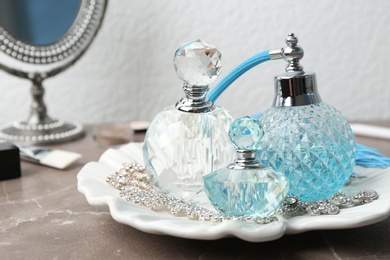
38,22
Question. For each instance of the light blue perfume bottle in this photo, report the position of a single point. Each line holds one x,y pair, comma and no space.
188,140
246,188
305,138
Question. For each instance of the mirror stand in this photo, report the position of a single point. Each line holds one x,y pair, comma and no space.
40,128
39,62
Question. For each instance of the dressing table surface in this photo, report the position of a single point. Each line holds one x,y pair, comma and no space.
43,216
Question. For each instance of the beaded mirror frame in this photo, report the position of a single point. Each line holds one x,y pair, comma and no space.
37,63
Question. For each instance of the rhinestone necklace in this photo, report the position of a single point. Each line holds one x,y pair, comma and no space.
134,185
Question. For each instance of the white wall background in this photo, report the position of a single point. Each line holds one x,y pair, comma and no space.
127,74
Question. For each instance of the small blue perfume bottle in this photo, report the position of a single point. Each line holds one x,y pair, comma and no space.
246,188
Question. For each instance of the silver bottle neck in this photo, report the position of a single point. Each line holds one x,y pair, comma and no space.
196,100
246,159
296,89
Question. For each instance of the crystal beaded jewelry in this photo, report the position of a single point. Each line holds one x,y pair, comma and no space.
135,187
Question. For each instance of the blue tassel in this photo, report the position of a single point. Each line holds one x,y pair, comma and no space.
370,158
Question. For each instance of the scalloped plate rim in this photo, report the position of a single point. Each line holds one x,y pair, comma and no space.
91,183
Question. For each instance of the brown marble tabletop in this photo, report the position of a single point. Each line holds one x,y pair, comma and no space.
43,216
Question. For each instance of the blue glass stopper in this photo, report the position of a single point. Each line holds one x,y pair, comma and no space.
246,133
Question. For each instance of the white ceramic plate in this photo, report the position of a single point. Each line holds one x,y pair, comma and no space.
91,182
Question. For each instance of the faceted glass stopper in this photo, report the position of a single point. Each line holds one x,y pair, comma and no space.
246,133
197,63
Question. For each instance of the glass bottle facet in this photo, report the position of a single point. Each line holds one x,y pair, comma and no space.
313,145
181,147
246,193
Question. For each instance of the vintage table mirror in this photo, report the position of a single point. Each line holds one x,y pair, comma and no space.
38,40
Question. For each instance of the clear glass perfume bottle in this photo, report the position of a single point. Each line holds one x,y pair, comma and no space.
246,188
305,138
188,140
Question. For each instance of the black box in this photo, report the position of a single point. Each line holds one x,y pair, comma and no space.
9,161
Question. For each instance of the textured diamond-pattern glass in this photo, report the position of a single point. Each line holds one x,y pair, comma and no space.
248,193
312,145
181,147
